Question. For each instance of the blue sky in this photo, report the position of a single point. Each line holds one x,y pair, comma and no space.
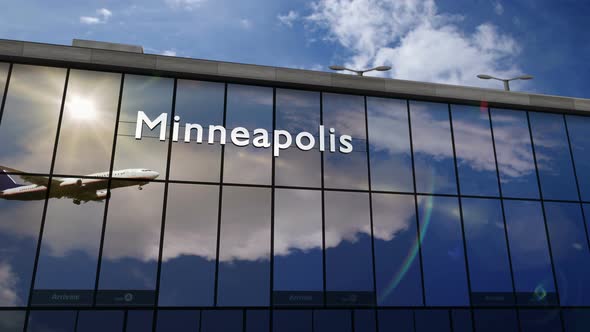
445,41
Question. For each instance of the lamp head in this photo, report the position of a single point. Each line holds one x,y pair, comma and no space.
334,67
484,77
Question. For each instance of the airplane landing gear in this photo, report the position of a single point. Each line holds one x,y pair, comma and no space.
140,188
77,202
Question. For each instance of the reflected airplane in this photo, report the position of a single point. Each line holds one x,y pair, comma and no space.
78,189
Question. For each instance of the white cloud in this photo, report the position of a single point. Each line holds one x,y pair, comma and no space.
102,16
288,19
498,8
184,4
416,40
245,23
8,281
169,53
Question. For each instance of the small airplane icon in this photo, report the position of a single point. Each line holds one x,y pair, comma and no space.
78,189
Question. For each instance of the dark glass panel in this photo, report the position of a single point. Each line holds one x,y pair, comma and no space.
475,152
462,321
389,139
178,321
292,321
4,67
221,321
433,149
296,112
250,107
432,320
487,254
576,320
88,124
19,232
578,128
29,121
540,321
346,114
332,320
364,321
570,252
531,263
52,321
553,156
12,321
190,246
139,320
200,103
495,320
395,320
298,268
244,254
257,321
397,257
349,270
445,278
515,154
98,321
153,96
131,243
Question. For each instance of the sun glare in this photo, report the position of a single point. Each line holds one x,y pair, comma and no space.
82,109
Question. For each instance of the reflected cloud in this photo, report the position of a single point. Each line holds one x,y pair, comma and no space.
8,282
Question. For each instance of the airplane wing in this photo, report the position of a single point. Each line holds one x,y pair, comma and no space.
34,179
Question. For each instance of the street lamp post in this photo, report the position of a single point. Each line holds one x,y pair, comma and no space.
505,81
360,72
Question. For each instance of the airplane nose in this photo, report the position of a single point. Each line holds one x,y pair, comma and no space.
155,174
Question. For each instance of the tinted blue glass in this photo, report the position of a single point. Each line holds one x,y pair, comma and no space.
487,255
221,321
531,263
98,321
570,252
475,152
397,259
346,114
190,246
349,270
540,321
578,128
515,154
12,321
445,278
244,254
52,321
389,139
178,320
495,320
332,320
292,321
139,320
364,321
586,208
576,320
432,320
395,320
257,321
433,149
462,321
553,156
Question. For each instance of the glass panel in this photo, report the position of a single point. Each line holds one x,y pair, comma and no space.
153,96
128,271
432,320
495,320
445,278
396,320
332,320
389,145
298,267
515,154
139,320
475,152
52,321
4,67
88,124
197,103
397,258
98,321
29,120
21,215
576,320
540,321
12,321
433,149
489,265
531,264
244,254
221,321
178,321
190,246
578,127
553,156
570,252
349,268
292,321
250,107
66,271
297,112
462,321
346,114
257,321
364,321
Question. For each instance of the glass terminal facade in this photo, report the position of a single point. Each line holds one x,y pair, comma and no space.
444,217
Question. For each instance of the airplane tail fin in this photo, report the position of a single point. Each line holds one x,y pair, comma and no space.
6,182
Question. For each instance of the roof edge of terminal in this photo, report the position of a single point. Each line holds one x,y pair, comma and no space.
129,60
106,46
